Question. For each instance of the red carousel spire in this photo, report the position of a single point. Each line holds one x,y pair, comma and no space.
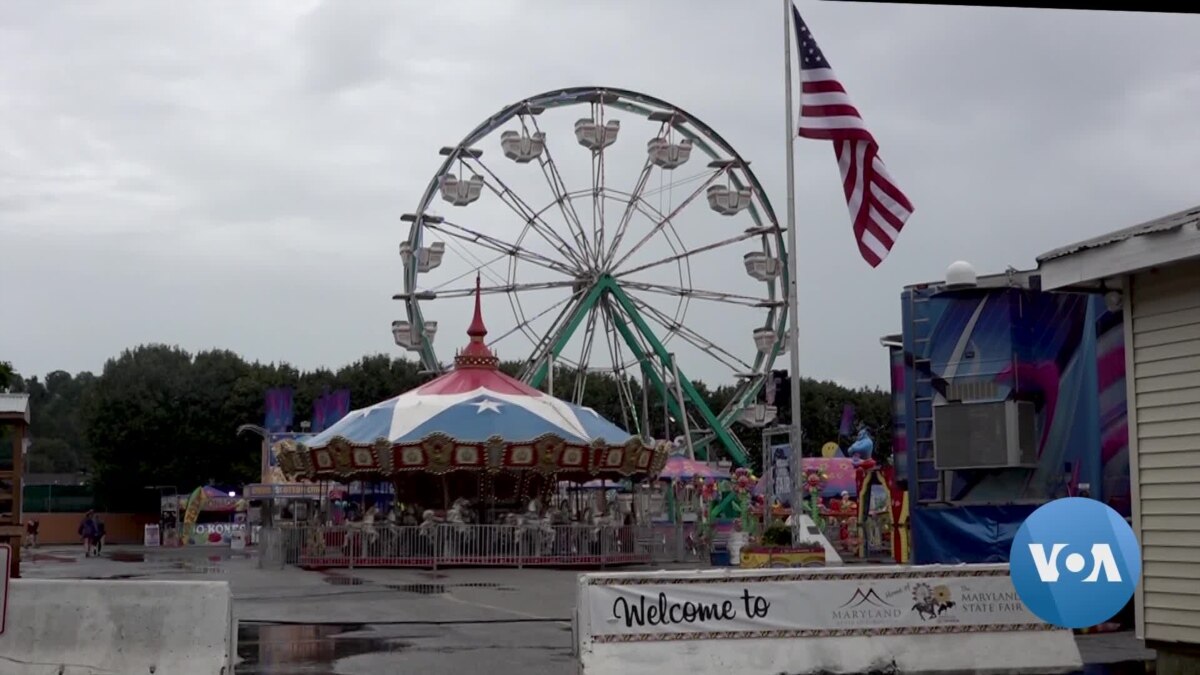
477,331
476,354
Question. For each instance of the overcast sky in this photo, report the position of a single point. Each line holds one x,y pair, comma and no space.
231,174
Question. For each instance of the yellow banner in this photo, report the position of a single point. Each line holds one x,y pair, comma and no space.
192,513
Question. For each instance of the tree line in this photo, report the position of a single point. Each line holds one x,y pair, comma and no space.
159,415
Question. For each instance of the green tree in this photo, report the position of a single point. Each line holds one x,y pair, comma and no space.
7,374
58,439
157,415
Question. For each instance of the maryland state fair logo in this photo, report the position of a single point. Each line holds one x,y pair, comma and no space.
865,606
930,602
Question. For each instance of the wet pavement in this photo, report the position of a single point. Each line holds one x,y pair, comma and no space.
306,649
273,649
371,622
295,649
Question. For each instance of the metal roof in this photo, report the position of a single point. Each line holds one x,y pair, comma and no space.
1010,278
1169,223
14,405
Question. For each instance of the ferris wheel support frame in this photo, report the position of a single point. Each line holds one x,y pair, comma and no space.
607,287
648,372
700,134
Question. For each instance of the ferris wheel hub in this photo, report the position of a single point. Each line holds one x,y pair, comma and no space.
584,283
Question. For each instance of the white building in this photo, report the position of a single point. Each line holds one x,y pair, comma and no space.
1153,271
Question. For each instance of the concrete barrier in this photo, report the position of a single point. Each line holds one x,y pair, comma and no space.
928,619
75,627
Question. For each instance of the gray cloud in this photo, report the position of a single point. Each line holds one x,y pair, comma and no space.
233,174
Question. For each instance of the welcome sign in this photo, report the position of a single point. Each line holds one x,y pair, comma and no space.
803,603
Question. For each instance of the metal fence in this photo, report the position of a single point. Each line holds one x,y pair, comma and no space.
57,498
384,545
432,546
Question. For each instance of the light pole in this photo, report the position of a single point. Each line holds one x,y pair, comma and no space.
793,322
265,460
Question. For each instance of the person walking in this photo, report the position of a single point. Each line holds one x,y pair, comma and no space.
87,532
31,533
101,532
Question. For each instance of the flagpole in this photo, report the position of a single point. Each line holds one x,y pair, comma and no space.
793,335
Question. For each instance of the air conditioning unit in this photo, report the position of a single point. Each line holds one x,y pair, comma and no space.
984,435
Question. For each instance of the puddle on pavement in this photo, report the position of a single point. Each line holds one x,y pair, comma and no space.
1123,668
197,567
116,577
420,589
333,580
206,565
274,649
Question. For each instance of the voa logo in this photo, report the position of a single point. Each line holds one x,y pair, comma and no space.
1102,559
1075,562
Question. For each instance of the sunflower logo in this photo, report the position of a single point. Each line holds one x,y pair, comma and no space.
941,595
931,602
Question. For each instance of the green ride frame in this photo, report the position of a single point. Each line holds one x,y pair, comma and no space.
606,286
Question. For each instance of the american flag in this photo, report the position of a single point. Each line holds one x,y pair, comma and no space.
878,209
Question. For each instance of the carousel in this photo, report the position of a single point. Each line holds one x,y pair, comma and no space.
475,460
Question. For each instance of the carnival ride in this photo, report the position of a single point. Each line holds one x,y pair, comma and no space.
509,440
590,252
484,494
846,494
599,279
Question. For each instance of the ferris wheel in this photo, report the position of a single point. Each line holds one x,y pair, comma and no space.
626,237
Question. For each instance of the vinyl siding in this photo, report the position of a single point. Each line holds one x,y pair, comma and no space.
1165,402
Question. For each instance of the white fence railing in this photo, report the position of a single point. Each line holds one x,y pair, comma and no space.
384,545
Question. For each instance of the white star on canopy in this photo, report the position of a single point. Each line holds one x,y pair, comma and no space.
485,404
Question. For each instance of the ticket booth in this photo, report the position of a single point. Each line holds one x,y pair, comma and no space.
14,431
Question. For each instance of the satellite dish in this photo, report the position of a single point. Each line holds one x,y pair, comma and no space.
1113,301
961,274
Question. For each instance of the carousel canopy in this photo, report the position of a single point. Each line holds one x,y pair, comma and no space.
474,417
476,406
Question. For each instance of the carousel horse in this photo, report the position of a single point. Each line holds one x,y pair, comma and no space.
562,515
602,527
427,530
459,515
316,541
459,518
408,516
536,527
362,533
